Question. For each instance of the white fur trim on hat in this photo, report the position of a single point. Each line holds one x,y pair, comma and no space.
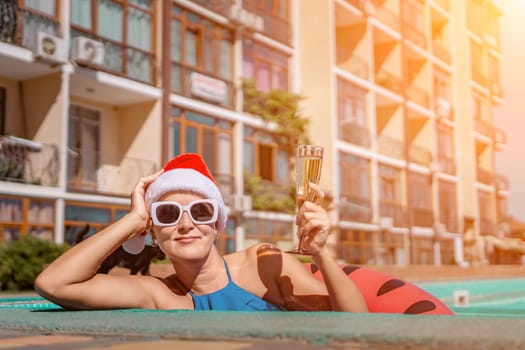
187,179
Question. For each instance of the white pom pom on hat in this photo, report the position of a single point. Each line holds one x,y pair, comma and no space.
187,172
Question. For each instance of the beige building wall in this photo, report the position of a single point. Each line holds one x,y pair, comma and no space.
315,49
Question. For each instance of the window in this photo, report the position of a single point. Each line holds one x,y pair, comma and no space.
126,29
351,113
268,68
354,182
201,46
264,157
448,205
356,247
441,84
275,15
3,108
26,216
390,193
269,231
97,216
421,199
83,148
210,137
445,148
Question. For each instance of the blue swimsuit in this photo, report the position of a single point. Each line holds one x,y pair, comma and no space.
231,297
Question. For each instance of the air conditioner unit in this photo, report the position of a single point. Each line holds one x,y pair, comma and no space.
86,50
442,107
49,48
385,223
241,203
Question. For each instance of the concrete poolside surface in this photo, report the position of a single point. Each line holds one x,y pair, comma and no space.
141,329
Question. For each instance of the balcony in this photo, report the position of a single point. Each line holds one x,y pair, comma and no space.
422,217
356,66
444,4
415,35
122,59
441,52
97,173
354,208
477,75
500,139
385,15
275,27
18,39
487,227
450,220
418,96
501,182
484,128
393,210
221,7
28,162
388,81
420,155
447,164
269,195
484,176
354,133
390,146
496,90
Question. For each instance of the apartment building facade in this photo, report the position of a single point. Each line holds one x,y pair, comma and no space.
95,94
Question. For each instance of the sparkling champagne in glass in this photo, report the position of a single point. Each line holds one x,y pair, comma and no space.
308,162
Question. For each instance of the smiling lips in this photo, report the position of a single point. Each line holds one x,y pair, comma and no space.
186,240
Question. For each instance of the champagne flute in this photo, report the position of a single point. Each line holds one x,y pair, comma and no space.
308,162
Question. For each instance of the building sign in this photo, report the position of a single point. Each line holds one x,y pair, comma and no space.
208,88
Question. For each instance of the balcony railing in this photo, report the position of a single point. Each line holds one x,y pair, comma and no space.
396,211
418,95
441,52
477,75
275,27
355,134
388,80
95,172
488,227
20,25
28,162
422,217
500,138
501,182
122,59
483,128
269,195
484,176
390,146
447,164
420,155
415,35
357,66
444,4
386,16
353,208
218,6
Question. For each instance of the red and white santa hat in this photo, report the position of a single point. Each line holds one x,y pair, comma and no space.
186,172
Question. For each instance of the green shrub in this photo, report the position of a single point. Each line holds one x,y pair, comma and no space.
22,260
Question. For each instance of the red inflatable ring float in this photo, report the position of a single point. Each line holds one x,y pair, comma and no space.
387,294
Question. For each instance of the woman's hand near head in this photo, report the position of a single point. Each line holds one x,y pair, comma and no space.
138,201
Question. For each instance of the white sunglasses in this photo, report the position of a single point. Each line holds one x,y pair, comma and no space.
168,213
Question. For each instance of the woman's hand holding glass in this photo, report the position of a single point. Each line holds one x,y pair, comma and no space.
313,223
